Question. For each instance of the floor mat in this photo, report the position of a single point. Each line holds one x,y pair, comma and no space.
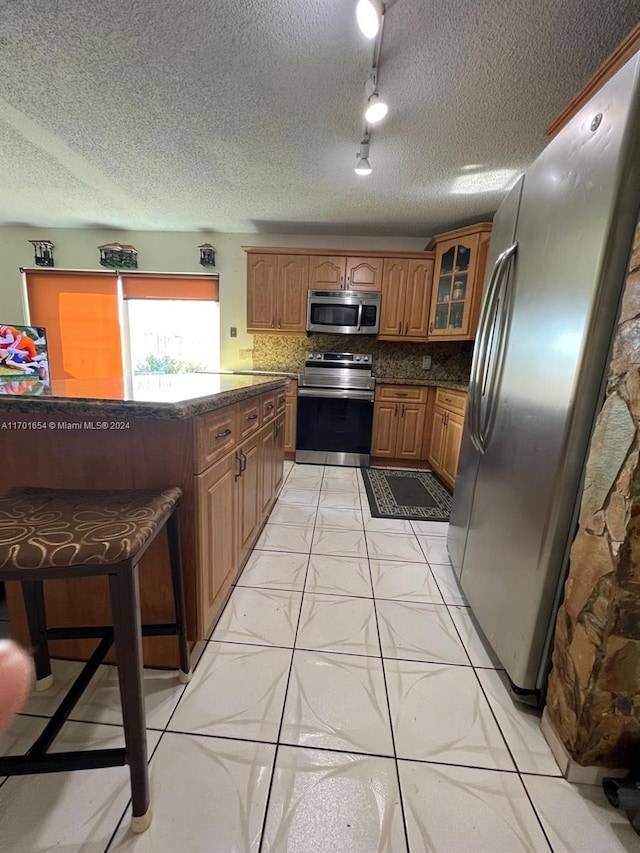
409,495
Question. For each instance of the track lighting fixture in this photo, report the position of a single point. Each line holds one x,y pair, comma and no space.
368,17
363,167
376,109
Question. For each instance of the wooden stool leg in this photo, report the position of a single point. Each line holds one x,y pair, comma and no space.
175,554
33,594
125,609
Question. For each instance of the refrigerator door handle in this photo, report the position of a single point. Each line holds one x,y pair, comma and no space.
479,356
503,291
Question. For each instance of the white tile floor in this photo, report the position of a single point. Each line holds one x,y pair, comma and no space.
345,702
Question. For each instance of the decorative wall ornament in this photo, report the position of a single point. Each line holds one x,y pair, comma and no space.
119,256
43,252
207,255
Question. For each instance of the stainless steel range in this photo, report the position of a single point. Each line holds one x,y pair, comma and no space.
335,409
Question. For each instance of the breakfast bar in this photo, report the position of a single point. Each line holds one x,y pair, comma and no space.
218,437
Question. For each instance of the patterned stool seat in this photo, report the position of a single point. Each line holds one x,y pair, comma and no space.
46,528
51,534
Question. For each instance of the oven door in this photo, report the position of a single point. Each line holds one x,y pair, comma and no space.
334,426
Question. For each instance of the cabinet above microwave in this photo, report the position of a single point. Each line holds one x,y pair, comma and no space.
279,280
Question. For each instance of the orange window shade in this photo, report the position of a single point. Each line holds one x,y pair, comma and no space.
80,314
170,287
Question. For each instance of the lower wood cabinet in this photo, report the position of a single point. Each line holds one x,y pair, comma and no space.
216,535
399,416
291,415
446,435
233,498
249,508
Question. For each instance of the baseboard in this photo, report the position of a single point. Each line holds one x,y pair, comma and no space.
572,771
383,462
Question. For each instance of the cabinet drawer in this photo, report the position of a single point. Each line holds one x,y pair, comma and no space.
268,407
455,401
216,435
402,393
249,417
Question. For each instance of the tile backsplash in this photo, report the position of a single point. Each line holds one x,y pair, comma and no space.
449,361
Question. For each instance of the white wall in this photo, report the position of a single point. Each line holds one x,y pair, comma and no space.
169,252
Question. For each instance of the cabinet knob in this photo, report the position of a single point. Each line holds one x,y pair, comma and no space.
400,327
430,328
402,412
223,434
252,417
395,411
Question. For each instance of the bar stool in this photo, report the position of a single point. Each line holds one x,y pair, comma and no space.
54,533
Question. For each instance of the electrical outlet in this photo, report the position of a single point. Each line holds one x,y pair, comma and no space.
233,332
426,362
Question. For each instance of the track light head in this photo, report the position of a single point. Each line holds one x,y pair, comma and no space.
368,17
376,109
363,167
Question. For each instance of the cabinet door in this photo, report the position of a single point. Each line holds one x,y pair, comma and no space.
410,431
216,536
418,301
364,274
293,284
454,282
385,424
290,424
278,454
436,452
249,495
261,292
326,272
394,291
452,442
267,448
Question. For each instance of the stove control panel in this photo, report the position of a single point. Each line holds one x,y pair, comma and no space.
338,359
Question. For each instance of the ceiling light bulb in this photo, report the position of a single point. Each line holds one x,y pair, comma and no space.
368,18
363,167
376,109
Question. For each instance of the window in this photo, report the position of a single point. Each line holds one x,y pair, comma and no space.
173,335
107,324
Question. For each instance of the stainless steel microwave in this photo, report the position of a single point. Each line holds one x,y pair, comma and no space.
343,312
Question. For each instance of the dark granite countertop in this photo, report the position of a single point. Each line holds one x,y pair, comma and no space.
158,396
439,383
287,373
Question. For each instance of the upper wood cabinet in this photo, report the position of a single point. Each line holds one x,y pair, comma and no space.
262,271
461,258
335,272
277,288
292,287
327,272
364,274
406,298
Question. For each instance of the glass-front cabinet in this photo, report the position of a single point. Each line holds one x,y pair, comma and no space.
458,278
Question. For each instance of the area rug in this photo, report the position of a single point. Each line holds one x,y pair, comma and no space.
409,495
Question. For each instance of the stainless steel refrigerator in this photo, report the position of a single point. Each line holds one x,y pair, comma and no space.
559,250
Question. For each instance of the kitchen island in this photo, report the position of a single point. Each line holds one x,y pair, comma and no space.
219,437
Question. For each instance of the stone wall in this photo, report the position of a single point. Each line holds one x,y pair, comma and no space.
594,688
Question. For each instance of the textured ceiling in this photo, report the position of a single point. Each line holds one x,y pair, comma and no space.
245,115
